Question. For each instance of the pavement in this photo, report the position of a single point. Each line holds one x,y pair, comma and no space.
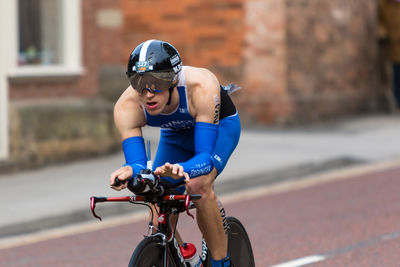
36,200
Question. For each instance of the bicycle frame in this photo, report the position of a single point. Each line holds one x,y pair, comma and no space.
168,234
168,205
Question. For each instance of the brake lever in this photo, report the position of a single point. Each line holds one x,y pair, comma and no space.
93,201
187,202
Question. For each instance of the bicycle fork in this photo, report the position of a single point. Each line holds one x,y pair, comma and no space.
171,243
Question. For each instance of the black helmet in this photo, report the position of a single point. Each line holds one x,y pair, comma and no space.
153,62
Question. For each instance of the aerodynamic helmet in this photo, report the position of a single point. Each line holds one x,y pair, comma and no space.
153,65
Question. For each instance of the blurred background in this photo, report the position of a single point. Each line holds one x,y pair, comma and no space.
318,95
299,62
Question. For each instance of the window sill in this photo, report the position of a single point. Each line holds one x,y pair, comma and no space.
44,72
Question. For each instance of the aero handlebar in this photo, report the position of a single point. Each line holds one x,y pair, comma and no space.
147,187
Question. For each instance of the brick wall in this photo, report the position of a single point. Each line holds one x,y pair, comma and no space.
109,32
331,58
310,60
288,55
207,33
265,98
297,61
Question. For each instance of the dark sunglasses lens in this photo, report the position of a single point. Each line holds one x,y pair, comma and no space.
160,81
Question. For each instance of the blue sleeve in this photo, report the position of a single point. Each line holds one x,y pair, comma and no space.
205,137
135,153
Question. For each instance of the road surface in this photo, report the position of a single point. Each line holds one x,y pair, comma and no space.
340,222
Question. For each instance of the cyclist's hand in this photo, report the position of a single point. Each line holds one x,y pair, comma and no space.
174,171
122,174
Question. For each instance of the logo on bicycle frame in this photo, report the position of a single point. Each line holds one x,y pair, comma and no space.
161,219
204,250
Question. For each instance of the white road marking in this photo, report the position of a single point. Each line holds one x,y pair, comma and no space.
301,261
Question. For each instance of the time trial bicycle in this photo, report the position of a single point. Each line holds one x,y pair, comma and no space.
160,247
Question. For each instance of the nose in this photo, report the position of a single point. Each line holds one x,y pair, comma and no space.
149,93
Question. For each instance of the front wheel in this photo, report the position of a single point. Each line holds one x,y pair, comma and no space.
149,253
239,246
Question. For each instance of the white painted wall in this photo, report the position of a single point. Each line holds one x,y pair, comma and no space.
4,124
8,33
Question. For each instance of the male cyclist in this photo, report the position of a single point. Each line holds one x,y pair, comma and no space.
199,124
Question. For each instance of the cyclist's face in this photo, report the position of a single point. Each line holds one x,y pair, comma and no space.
154,102
153,89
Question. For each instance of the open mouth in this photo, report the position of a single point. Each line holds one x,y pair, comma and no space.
151,105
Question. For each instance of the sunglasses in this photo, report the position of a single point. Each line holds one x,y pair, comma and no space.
159,80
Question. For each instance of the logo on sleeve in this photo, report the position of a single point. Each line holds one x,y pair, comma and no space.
217,158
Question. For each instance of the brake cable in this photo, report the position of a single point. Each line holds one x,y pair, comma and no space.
187,202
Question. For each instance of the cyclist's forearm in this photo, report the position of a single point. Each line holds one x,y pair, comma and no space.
205,139
135,153
200,164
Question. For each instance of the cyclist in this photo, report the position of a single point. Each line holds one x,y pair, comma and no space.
199,124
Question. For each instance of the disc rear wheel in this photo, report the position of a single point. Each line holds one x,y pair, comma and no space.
239,246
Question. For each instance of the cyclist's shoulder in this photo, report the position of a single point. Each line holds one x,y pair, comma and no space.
128,110
200,81
129,99
198,76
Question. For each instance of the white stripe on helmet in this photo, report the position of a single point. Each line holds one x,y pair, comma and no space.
143,50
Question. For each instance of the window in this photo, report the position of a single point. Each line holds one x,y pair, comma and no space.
47,38
40,32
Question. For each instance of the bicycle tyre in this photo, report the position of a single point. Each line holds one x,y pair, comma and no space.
149,253
239,246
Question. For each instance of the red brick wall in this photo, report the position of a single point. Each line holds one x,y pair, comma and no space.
110,40
296,60
332,58
207,33
42,89
265,98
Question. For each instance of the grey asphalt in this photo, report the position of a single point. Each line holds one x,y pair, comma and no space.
35,200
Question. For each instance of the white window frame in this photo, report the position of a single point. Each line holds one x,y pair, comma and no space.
71,39
72,65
